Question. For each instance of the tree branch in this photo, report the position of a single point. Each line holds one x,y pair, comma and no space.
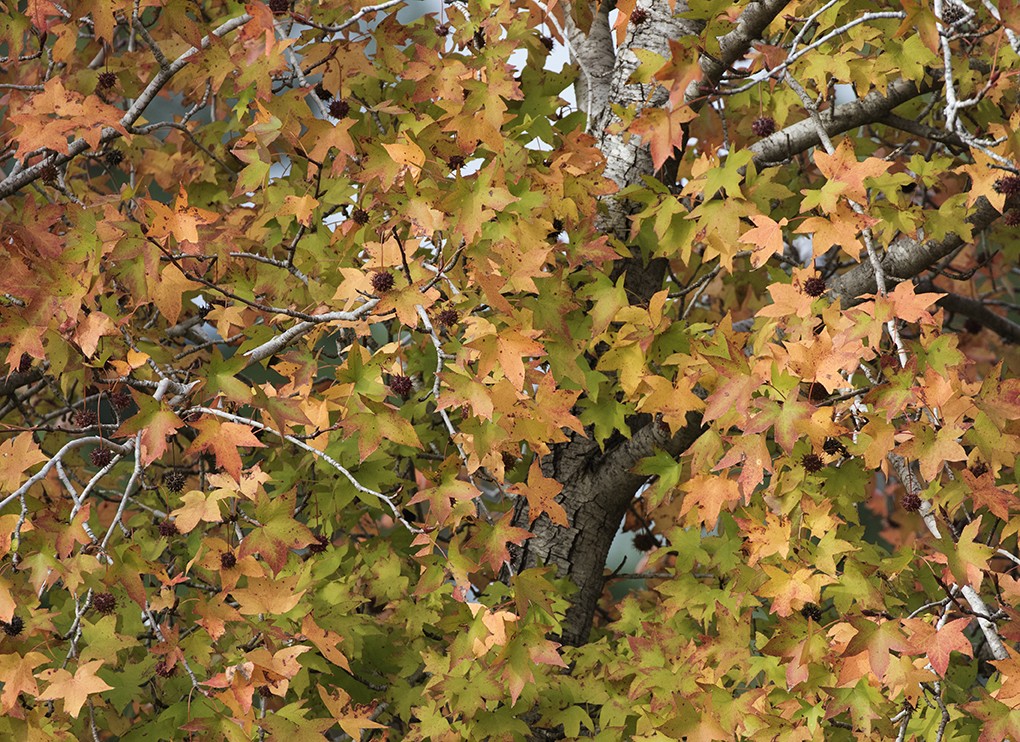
16,181
906,257
801,136
976,310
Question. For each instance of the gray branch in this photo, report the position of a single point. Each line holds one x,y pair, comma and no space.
803,135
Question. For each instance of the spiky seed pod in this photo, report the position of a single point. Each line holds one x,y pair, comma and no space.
339,109
401,386
832,447
645,541
763,126
174,480
101,456
447,317
13,627
104,603
382,281
1008,185
85,418
814,286
812,462
49,173
952,13
812,612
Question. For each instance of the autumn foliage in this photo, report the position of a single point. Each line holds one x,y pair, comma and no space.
341,342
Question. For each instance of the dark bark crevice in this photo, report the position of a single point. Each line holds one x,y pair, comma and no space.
597,488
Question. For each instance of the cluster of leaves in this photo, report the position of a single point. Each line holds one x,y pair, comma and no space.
299,302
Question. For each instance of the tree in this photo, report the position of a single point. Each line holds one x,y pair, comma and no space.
341,346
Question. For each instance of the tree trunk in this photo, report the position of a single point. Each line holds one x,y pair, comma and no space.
597,485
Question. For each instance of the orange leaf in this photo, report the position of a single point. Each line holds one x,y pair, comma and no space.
1009,691
662,131
223,439
709,493
787,299
842,166
983,175
327,642
199,507
17,675
767,236
73,690
56,115
351,718
837,228
181,222
909,306
167,289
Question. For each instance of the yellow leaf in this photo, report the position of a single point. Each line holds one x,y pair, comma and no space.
409,155
17,455
300,207
167,290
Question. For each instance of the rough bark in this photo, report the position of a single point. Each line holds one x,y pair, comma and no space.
597,488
